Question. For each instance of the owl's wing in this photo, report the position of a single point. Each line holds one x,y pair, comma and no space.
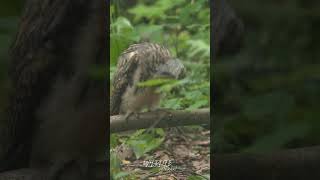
146,56
127,64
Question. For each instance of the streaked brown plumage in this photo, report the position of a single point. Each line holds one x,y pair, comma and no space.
141,62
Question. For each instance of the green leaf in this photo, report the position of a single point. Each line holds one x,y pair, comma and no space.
113,141
199,48
114,164
199,104
193,177
174,103
142,143
122,174
156,82
155,11
122,25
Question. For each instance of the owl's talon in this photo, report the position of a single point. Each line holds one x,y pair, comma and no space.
129,114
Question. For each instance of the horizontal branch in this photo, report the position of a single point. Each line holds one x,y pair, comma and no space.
162,118
293,164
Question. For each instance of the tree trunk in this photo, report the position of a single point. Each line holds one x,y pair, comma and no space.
227,29
49,45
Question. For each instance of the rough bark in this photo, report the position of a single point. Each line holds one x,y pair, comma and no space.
46,50
161,118
228,30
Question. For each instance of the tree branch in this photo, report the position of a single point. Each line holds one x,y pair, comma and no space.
166,118
293,164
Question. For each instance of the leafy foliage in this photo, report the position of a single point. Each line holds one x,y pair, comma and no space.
184,28
145,142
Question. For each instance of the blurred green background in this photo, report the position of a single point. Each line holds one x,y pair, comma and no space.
268,94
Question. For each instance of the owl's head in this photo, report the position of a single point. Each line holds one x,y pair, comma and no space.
173,68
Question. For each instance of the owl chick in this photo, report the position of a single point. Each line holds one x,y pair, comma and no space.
141,62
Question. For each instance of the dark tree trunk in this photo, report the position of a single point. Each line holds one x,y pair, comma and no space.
48,46
227,28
